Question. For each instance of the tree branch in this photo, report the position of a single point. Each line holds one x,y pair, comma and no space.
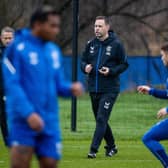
117,12
154,13
19,15
126,4
136,18
91,19
145,43
65,6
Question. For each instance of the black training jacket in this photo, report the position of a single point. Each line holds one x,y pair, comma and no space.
109,53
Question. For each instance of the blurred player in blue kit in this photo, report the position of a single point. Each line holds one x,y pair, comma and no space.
33,78
160,130
6,37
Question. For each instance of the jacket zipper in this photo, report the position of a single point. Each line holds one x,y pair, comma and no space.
97,67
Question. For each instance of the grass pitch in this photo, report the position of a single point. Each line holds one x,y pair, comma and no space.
132,116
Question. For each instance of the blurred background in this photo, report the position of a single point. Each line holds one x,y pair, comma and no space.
141,25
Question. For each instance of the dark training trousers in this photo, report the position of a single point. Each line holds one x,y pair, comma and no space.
102,104
3,120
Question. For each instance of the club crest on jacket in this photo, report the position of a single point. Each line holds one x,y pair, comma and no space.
33,58
108,50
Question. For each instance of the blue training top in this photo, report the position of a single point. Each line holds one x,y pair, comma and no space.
33,78
162,94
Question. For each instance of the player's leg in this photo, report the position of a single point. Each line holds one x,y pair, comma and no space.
21,142
48,150
95,98
109,138
3,121
105,106
21,156
110,147
95,103
48,162
151,139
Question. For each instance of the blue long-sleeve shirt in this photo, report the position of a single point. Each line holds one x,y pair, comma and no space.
33,78
162,94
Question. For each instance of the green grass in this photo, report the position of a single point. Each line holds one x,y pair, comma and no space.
132,116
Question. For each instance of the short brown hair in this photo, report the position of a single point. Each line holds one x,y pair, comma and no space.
106,19
164,47
7,29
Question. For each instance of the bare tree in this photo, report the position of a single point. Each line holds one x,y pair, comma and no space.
140,24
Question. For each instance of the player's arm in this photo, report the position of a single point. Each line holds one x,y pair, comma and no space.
157,93
65,88
162,94
16,98
162,113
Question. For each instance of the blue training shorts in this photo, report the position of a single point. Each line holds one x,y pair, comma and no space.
44,145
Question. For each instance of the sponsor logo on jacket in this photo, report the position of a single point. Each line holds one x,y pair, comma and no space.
55,57
33,56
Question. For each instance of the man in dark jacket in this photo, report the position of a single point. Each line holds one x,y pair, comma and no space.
7,35
103,60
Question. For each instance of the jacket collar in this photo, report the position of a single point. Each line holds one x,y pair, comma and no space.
112,37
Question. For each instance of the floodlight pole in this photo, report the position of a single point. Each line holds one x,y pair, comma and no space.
74,62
